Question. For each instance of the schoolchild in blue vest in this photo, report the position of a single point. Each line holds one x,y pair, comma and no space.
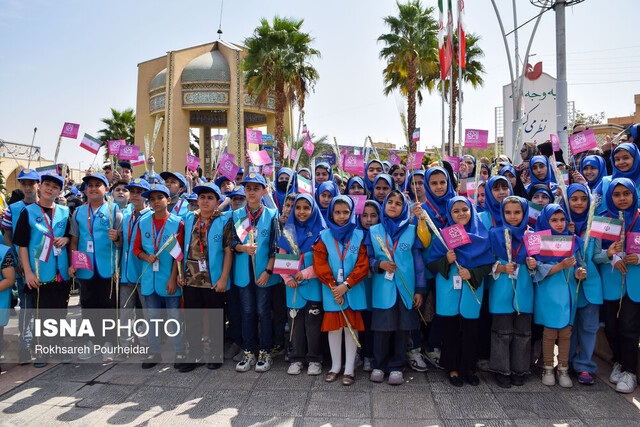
540,172
594,169
625,163
207,267
226,187
323,173
28,180
416,182
554,306
382,186
96,230
621,285
304,290
324,193
355,186
589,297
438,191
159,281
511,295
49,279
371,171
398,286
177,185
131,266
497,188
341,272
7,279
253,272
459,291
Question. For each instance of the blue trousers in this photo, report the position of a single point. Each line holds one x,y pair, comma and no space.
583,335
256,300
154,310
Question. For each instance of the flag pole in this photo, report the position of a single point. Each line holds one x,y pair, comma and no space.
460,77
55,158
31,149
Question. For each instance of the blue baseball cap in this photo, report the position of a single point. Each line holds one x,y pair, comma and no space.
176,175
254,177
192,196
222,179
208,187
96,175
156,188
240,171
74,190
139,183
125,165
238,190
29,174
51,176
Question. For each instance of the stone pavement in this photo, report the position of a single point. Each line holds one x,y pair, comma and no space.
124,394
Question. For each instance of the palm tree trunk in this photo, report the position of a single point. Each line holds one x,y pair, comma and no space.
411,102
281,104
454,100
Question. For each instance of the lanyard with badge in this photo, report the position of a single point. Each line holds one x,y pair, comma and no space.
131,228
255,220
202,263
157,238
340,277
89,216
56,251
390,274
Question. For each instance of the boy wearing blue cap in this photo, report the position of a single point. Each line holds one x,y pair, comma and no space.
176,184
126,171
96,230
255,244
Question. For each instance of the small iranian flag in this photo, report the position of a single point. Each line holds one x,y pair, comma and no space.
286,264
243,225
558,246
565,176
42,253
304,185
534,213
174,249
606,228
91,144
416,135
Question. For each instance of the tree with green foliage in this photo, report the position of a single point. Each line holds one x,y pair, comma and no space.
121,125
589,119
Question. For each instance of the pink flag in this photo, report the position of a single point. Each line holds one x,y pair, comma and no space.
259,158
129,152
294,154
254,136
633,243
533,241
454,161
227,167
192,162
583,141
139,161
81,260
455,236
414,160
70,130
358,202
394,159
114,146
555,142
476,138
353,163
267,169
308,145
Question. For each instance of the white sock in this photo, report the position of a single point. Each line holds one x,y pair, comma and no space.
349,352
335,345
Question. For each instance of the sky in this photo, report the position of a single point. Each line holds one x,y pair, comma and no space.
72,60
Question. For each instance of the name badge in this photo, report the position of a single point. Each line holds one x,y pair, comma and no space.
457,282
156,265
90,246
340,277
389,275
126,257
202,264
57,251
515,272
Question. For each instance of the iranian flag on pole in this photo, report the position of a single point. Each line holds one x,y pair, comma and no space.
449,55
174,249
243,225
560,246
90,144
286,264
304,185
461,34
42,253
441,50
606,228
534,213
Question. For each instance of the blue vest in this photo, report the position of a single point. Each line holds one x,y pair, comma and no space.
5,296
243,261
553,303
215,247
384,292
48,270
606,181
590,291
181,208
487,219
502,299
615,286
451,302
16,209
103,247
308,290
356,298
156,281
131,266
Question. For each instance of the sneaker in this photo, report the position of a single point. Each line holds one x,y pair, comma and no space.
181,360
107,355
247,361
548,377
483,365
359,361
315,368
433,357
616,373
231,351
563,377
517,380
295,368
89,354
239,355
504,381
213,366
367,366
416,361
396,378
188,367
264,362
627,383
277,350
377,376
585,378
152,360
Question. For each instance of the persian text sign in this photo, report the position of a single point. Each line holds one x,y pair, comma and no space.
353,163
533,241
455,236
476,138
582,141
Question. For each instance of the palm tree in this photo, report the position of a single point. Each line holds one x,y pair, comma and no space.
121,125
411,52
277,62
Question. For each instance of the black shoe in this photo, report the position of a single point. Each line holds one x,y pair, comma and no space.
456,381
473,379
24,356
188,367
181,360
503,381
152,360
214,366
517,380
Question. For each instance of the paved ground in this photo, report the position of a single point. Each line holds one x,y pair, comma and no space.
125,394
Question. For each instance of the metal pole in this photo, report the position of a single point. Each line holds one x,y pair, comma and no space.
459,87
515,41
451,111
561,83
444,135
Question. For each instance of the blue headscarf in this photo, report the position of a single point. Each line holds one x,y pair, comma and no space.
280,194
342,233
498,243
304,233
630,213
307,170
580,220
396,226
439,215
482,165
327,166
332,188
634,173
386,178
374,204
473,254
357,179
540,188
597,162
386,165
472,173
548,179
490,203
368,183
543,224
410,184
